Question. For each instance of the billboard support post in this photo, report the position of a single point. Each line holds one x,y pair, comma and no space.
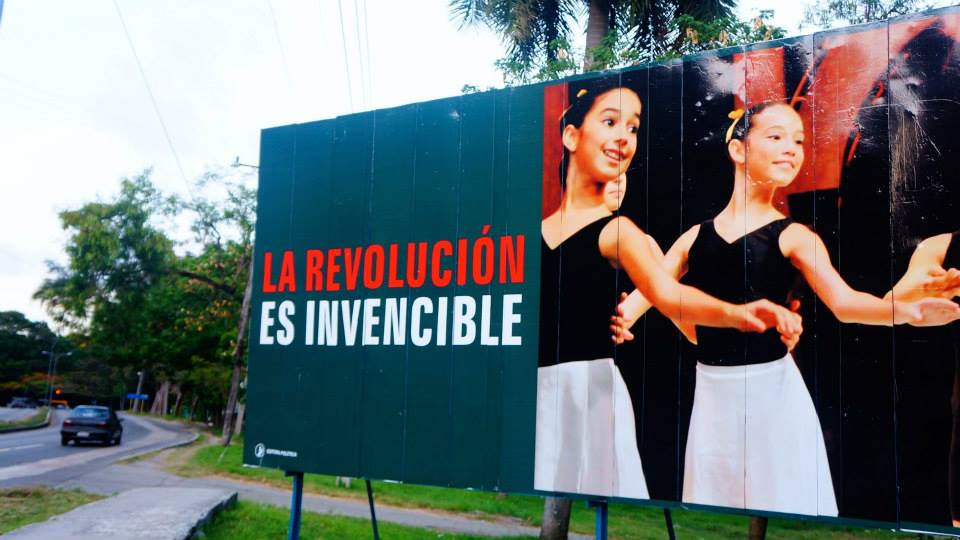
296,502
668,517
601,508
373,512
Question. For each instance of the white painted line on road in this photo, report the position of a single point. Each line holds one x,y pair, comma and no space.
24,447
46,465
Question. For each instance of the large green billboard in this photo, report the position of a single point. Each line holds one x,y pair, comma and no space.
458,292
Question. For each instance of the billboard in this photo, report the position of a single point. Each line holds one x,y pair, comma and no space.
438,285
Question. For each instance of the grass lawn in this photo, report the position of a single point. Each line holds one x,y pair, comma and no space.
22,506
34,419
625,521
251,521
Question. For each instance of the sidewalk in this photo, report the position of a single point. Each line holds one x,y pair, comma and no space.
118,478
141,514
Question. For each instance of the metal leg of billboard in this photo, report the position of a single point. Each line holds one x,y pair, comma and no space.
668,517
373,513
601,509
296,503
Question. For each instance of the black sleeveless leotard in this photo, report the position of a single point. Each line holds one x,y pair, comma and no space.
578,293
750,268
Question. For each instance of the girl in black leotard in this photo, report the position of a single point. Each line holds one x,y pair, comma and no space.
755,440
585,439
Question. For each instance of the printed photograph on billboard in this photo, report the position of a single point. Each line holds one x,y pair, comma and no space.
722,281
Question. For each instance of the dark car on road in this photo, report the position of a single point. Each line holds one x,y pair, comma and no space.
91,423
22,403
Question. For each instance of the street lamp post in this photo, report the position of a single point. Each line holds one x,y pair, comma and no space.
236,163
53,375
137,402
53,358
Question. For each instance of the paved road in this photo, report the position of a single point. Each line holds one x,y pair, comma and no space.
36,457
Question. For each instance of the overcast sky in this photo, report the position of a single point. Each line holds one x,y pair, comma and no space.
78,112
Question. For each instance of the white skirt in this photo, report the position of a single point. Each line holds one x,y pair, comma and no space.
755,441
586,437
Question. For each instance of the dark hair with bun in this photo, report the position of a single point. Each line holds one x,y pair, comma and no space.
741,125
582,95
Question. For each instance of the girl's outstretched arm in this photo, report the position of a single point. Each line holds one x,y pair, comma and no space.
925,276
623,243
634,305
808,253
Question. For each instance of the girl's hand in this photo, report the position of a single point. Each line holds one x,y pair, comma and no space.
620,324
926,312
791,339
771,315
941,283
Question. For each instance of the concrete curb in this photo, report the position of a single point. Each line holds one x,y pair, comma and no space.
176,444
153,513
223,504
45,423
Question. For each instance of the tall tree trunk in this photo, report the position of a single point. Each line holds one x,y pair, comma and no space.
556,518
598,23
159,406
178,405
238,357
193,406
238,425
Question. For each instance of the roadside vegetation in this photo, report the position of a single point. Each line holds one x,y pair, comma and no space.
251,521
626,522
22,506
34,419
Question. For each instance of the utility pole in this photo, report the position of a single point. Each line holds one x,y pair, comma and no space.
53,375
241,345
138,403
50,353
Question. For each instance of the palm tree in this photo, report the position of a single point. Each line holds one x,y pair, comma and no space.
530,28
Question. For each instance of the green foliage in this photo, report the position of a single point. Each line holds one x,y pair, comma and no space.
22,345
538,34
615,50
701,36
34,419
824,13
627,521
140,300
251,521
560,63
636,32
29,384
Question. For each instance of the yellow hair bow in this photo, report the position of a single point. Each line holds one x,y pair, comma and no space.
734,115
582,92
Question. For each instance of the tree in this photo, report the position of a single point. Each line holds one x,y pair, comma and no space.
538,32
238,214
138,303
824,13
22,345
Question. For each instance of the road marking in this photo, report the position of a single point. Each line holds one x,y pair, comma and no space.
154,435
24,447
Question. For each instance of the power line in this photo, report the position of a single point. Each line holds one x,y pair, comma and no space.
153,100
366,40
283,55
346,59
363,76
